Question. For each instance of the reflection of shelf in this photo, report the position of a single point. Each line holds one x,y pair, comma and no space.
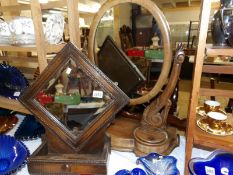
156,60
87,105
208,140
12,105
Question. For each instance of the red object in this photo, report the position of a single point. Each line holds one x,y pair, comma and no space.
44,98
135,53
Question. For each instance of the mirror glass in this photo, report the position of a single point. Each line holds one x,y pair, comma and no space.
136,33
73,97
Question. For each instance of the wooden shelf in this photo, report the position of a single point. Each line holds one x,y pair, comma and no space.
218,69
28,48
41,48
194,135
216,92
50,48
212,141
12,8
12,105
215,51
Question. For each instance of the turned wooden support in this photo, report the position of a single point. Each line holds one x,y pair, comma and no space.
153,114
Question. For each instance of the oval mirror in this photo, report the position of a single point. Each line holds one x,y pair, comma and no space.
95,40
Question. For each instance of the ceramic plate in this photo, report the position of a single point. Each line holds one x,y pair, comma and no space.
13,154
226,129
200,110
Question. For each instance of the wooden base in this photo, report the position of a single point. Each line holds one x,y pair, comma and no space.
164,148
44,162
122,137
121,133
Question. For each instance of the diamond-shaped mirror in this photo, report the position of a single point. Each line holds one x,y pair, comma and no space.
72,98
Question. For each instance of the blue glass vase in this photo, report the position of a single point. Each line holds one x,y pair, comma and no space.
220,162
155,164
135,171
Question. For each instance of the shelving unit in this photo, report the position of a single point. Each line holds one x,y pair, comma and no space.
41,48
194,135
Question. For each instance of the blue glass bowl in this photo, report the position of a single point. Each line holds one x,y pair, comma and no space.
12,81
218,162
135,171
13,154
29,129
157,164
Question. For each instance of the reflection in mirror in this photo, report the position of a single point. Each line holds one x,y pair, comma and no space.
73,98
136,32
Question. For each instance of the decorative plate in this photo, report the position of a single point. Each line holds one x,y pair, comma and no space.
135,171
54,28
156,164
13,154
12,81
29,129
201,111
219,162
223,130
7,122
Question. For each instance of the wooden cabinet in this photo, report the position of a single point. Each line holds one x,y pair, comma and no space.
41,49
196,136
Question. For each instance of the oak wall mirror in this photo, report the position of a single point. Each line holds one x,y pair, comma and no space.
73,99
95,40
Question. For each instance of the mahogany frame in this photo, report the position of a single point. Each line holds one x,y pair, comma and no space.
56,131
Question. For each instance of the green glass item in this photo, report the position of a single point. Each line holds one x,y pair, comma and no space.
72,99
154,54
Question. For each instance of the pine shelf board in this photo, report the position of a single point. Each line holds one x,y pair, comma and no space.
12,104
50,48
216,92
28,48
218,69
212,141
217,50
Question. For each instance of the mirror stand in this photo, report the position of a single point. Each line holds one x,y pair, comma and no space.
75,102
151,134
93,158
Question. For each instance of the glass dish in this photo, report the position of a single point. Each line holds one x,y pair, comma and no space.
7,122
5,39
29,129
135,171
23,39
13,154
12,81
156,164
218,162
54,28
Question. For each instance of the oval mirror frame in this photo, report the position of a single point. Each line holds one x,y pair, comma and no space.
165,31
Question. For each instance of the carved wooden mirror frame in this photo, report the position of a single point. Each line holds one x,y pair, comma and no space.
74,142
163,26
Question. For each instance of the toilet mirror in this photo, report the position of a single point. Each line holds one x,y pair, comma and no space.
96,38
